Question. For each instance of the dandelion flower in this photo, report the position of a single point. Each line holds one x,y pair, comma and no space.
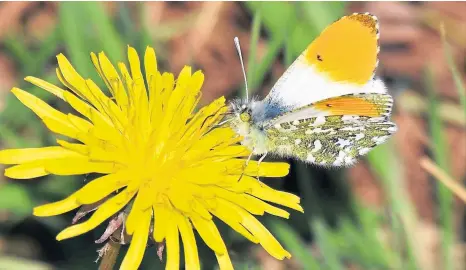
172,169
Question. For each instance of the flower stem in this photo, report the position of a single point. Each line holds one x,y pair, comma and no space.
110,255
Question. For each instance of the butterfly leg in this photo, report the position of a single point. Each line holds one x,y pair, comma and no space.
259,163
224,122
245,165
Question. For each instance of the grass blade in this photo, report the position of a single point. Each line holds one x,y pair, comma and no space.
384,162
443,177
255,33
440,153
454,71
328,250
109,39
294,245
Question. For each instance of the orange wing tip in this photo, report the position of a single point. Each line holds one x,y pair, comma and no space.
368,20
346,51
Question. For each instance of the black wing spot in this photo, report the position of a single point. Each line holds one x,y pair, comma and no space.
319,58
328,105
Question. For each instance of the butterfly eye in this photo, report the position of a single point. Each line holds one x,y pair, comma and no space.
245,116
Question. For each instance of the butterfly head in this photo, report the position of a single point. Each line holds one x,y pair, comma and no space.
242,111
245,122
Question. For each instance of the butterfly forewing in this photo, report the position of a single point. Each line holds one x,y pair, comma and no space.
329,140
340,61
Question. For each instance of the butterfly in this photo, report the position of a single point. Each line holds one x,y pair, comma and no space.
328,108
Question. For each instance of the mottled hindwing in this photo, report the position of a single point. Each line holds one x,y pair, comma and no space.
333,140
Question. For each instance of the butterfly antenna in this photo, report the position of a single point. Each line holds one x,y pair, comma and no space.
238,48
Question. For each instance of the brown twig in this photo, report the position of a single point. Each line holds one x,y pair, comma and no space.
443,177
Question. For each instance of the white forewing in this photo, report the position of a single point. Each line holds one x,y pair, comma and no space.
302,85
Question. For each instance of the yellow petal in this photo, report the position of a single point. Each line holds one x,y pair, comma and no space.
137,247
106,106
194,94
161,221
107,209
190,99
41,108
270,244
17,156
139,208
106,155
210,234
74,79
26,171
79,123
189,243
199,209
57,208
155,93
224,261
62,79
262,191
73,166
184,77
136,73
96,63
198,176
201,147
210,121
78,104
170,124
99,99
232,151
150,64
168,84
59,127
267,207
75,147
113,80
266,239
99,188
268,169
242,200
126,79
200,119
173,245
104,129
134,64
250,203
181,197
55,90
227,214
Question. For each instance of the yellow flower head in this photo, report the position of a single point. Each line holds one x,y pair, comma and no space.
166,165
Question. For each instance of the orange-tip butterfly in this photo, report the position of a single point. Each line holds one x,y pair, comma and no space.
328,108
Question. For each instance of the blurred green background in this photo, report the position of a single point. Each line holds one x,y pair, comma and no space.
387,212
